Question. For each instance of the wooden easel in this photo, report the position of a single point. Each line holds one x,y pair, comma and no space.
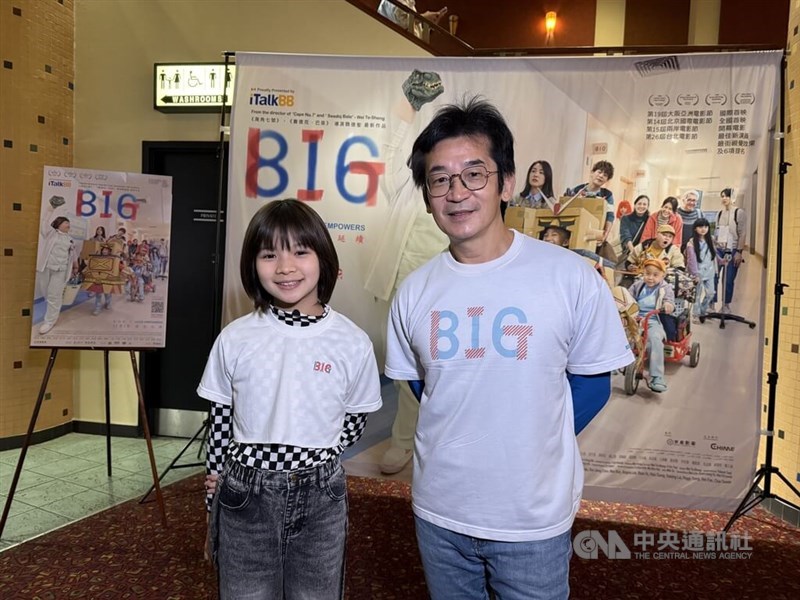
50,363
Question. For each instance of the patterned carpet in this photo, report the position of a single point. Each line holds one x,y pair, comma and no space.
125,553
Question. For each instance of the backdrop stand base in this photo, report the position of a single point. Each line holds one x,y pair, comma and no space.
756,496
204,431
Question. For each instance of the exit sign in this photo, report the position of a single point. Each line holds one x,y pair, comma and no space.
197,87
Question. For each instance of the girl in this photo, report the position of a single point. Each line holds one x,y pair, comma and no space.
290,385
538,186
632,225
99,234
701,261
56,262
666,215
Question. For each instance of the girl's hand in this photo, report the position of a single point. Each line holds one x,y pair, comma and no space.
669,308
206,556
211,484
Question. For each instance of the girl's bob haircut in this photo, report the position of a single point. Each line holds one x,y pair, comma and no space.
58,221
278,224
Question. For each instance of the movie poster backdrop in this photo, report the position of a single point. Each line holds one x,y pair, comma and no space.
336,132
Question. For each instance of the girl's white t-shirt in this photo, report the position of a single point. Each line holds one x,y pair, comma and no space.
292,385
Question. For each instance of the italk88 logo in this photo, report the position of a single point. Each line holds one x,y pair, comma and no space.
269,99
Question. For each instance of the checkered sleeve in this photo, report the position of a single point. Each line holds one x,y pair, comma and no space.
217,441
353,428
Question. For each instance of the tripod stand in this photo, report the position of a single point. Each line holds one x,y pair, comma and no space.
203,430
755,495
723,280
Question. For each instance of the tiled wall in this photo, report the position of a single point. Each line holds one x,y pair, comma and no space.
36,128
787,415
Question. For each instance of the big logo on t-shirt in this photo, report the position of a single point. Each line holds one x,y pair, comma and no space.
509,333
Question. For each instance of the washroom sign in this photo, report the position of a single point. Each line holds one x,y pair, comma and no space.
192,87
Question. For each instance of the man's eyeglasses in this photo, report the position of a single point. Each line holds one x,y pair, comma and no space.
473,178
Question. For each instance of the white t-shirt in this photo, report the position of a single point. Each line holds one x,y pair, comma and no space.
495,449
291,385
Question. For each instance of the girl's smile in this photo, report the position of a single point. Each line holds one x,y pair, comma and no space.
290,276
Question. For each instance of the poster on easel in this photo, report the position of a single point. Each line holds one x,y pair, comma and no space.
102,264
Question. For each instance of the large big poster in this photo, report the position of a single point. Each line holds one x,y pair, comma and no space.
336,132
102,264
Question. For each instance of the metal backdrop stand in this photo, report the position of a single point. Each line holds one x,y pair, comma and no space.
723,281
173,465
37,407
202,432
755,495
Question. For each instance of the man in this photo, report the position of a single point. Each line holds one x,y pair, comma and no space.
689,213
405,18
730,237
602,173
660,248
500,335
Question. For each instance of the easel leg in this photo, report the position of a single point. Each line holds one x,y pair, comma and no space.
108,413
51,361
148,439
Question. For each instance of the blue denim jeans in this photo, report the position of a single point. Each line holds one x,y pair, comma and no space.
731,271
461,567
280,535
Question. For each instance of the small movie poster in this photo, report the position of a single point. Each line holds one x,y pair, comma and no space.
102,264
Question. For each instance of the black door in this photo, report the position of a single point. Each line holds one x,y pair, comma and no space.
170,375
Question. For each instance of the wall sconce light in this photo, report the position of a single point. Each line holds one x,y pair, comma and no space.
549,26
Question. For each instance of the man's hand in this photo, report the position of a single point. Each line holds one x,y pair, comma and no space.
738,258
435,16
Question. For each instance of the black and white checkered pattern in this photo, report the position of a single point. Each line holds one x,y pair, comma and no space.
219,435
273,457
354,425
297,318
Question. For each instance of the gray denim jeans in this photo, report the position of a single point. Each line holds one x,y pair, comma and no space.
280,535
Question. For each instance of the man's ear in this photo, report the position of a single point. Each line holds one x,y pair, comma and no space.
507,193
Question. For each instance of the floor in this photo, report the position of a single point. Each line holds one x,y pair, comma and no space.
65,479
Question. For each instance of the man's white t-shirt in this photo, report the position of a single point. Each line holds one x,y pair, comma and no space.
495,449
292,385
